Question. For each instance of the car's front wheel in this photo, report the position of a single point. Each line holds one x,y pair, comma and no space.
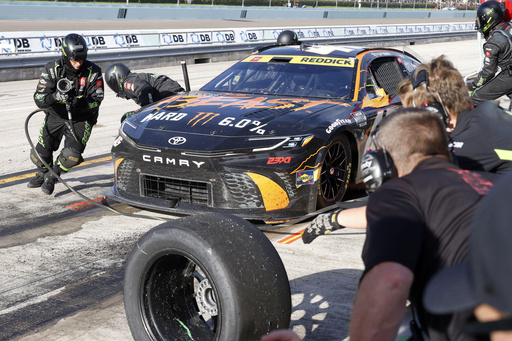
205,277
335,172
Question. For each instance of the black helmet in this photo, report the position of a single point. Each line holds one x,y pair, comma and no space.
287,37
488,15
74,47
115,76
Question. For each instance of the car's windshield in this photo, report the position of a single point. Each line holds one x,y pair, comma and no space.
286,79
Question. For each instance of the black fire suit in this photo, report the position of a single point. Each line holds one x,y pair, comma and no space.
495,78
146,88
85,98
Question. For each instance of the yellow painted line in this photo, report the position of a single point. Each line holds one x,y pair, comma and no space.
292,238
29,175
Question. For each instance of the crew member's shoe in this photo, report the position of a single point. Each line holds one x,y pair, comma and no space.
37,180
49,183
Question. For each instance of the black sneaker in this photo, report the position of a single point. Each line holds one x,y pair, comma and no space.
36,181
49,183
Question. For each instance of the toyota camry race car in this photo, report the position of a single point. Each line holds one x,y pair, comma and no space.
276,136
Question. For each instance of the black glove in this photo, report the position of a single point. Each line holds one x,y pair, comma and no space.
471,86
322,224
77,101
59,96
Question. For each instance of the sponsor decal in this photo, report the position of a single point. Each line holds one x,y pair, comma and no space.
475,180
203,117
172,161
456,145
305,178
366,164
296,104
164,116
177,140
338,123
487,53
129,86
278,160
340,62
99,83
82,81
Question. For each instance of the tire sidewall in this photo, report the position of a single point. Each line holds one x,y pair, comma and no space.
245,289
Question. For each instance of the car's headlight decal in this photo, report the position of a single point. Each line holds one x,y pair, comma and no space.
283,141
274,197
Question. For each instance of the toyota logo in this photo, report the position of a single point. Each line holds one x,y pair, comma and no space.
177,140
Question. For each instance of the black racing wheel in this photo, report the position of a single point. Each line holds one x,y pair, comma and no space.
205,277
335,172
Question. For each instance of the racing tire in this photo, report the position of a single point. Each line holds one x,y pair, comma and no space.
205,277
335,172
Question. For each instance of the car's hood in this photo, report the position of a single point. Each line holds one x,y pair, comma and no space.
212,115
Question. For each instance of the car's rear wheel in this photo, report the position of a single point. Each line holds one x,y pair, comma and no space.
335,172
205,277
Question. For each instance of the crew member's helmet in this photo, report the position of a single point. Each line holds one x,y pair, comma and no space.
115,76
288,37
488,15
74,47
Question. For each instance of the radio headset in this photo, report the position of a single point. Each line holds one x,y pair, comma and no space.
377,166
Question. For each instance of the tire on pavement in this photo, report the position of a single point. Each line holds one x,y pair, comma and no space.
335,173
205,277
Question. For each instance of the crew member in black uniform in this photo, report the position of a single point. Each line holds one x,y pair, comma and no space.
71,82
418,223
480,137
495,78
143,88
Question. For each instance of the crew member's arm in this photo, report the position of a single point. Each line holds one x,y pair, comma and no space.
47,86
353,218
380,302
329,222
491,54
144,92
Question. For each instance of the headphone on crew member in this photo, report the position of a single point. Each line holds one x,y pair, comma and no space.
436,105
377,166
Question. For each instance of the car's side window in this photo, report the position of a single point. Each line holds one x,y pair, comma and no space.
387,74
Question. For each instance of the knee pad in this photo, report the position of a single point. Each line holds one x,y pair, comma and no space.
69,158
43,154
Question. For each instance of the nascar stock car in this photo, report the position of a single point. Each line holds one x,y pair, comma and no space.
276,136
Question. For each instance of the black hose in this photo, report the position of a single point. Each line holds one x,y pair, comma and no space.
66,184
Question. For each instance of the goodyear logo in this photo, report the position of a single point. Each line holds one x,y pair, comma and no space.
325,61
305,178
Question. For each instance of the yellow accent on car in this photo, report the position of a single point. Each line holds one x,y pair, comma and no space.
309,60
116,164
274,197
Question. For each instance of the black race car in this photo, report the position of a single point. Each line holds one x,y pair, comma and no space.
276,136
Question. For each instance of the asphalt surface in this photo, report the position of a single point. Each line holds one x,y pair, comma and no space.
62,261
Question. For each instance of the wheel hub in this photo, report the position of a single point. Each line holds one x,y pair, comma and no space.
205,298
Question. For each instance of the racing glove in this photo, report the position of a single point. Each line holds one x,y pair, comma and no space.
322,224
59,96
471,86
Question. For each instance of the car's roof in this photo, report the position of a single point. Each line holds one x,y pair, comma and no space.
338,51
